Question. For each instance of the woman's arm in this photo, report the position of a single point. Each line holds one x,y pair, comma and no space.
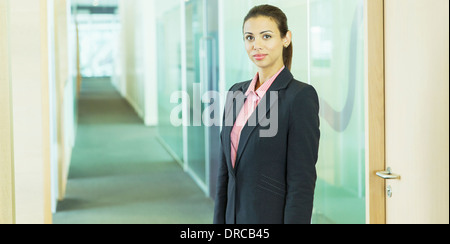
222,178
302,151
222,186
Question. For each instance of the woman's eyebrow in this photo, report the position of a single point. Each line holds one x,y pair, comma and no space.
262,32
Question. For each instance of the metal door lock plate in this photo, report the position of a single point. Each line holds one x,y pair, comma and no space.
389,191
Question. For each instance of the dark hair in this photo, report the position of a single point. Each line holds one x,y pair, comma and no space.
280,18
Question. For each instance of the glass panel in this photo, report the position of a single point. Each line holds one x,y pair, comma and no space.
237,66
196,130
211,83
337,72
169,72
297,14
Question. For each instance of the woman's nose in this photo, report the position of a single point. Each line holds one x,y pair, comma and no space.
257,45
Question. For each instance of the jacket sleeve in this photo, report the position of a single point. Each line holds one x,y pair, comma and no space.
302,153
222,177
222,188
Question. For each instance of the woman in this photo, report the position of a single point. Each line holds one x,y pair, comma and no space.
268,180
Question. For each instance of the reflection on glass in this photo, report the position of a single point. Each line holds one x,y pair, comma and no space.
336,70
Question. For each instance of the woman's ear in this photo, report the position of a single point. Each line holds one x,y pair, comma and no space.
287,39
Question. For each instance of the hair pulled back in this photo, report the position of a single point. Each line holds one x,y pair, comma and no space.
280,19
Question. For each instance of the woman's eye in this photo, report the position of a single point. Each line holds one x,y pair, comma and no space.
267,36
249,38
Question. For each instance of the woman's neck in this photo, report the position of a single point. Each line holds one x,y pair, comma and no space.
265,75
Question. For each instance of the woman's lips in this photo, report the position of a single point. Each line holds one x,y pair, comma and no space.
259,56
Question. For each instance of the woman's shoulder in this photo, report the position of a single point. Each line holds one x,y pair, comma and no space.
302,97
239,85
298,88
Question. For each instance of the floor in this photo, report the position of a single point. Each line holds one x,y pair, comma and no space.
120,173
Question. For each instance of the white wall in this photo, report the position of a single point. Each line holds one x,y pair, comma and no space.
137,82
65,96
53,104
6,154
37,99
31,116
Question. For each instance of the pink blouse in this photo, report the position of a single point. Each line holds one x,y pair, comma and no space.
253,98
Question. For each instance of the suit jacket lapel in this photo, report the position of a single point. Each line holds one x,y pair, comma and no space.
280,83
233,106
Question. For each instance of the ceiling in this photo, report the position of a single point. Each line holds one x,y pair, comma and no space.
100,3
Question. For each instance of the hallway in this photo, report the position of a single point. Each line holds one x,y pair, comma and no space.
120,173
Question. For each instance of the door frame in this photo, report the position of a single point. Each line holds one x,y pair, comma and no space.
375,111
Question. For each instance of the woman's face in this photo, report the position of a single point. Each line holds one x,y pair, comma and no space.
264,43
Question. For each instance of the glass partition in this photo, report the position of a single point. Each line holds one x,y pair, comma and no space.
196,131
328,54
337,71
201,77
195,144
236,66
169,72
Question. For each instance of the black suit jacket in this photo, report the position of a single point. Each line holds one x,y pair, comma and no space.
274,178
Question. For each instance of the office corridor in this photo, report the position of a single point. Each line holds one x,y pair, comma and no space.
120,173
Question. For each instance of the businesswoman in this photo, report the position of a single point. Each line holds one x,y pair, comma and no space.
268,179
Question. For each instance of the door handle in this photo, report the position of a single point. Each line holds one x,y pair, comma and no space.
388,175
